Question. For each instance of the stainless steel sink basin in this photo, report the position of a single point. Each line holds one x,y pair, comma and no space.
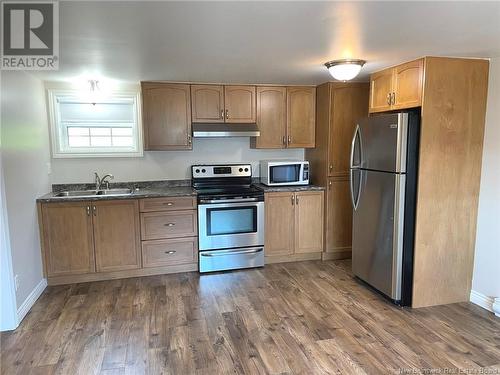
76,193
90,193
114,192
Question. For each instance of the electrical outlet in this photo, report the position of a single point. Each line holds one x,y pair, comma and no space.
16,282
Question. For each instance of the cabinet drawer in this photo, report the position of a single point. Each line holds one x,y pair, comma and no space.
158,225
169,252
167,204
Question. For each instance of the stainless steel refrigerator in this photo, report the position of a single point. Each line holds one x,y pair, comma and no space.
383,174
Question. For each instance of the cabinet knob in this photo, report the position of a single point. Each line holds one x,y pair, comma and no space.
389,98
297,199
189,139
170,252
88,210
289,139
222,114
331,166
293,200
169,224
284,140
94,210
168,203
393,98
227,114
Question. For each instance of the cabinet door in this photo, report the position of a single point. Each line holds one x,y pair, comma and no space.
68,239
280,221
117,235
239,104
380,90
301,116
167,112
207,103
349,104
339,216
309,222
408,81
271,117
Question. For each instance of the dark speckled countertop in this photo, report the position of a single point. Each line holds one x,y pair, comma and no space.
269,189
141,189
150,189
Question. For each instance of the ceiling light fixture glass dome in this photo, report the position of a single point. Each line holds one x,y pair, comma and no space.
345,69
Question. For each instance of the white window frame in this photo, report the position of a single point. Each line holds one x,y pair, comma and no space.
58,149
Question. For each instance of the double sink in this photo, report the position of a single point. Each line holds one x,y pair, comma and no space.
90,193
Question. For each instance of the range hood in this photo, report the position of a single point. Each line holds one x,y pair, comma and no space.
225,130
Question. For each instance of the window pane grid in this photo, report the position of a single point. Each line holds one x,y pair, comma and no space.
100,137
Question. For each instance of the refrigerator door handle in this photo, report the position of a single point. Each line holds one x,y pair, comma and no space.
355,201
356,136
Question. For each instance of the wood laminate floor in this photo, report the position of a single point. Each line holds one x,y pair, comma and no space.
294,318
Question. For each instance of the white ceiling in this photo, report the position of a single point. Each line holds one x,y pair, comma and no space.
263,42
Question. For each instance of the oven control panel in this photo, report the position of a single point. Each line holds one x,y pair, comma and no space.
231,170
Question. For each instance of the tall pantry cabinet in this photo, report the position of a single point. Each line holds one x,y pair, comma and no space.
338,107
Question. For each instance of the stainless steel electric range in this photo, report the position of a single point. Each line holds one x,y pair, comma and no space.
230,217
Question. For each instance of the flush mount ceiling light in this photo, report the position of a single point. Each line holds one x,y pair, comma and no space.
345,69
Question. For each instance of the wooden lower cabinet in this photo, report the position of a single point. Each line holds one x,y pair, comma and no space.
101,240
294,225
117,235
280,223
338,229
171,224
309,222
67,238
169,252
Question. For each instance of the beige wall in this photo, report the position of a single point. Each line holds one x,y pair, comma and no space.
25,153
486,278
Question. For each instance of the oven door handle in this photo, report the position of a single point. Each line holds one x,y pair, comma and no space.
229,200
232,252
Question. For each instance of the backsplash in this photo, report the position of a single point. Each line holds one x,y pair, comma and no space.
167,165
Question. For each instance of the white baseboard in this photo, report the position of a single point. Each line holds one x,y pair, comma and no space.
30,300
489,303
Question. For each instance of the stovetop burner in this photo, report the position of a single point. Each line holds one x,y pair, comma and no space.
221,192
228,181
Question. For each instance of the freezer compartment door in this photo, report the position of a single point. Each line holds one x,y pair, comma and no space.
377,240
380,142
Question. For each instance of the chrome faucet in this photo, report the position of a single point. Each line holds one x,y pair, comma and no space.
101,181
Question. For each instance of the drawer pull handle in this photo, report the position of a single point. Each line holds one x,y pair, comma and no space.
169,224
168,203
170,252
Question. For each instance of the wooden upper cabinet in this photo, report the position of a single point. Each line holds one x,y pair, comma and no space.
301,116
280,222
68,238
166,116
308,222
239,104
207,103
408,81
117,235
399,87
380,90
348,106
271,118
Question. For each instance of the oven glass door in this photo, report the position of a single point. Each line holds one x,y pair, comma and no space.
286,173
227,225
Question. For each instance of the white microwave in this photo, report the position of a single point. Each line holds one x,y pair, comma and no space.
284,172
